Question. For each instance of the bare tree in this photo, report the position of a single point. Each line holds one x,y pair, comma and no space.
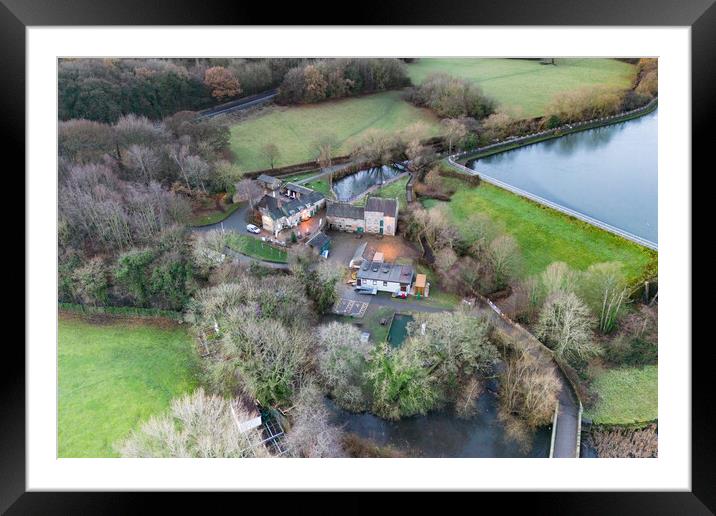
324,149
528,389
312,435
143,161
603,286
249,190
565,325
197,426
558,277
271,152
503,255
375,146
455,132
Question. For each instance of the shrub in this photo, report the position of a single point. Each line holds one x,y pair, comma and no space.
451,97
342,365
197,425
400,384
90,282
564,325
528,394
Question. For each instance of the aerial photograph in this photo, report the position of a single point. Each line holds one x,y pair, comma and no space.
316,257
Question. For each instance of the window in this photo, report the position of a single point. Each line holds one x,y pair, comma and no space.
385,283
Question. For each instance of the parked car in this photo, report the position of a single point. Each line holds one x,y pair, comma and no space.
253,229
366,290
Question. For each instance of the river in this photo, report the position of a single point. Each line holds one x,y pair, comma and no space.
608,173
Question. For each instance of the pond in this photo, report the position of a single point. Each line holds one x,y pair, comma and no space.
442,434
398,329
608,173
349,187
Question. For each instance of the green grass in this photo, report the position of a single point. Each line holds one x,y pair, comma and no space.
626,396
547,236
294,129
319,185
207,219
437,296
391,191
524,84
114,376
430,203
371,323
254,247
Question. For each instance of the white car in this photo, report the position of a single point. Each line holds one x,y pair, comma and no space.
253,229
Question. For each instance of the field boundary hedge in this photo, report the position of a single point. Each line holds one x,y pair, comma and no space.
127,311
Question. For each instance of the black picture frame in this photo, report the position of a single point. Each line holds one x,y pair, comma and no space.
700,15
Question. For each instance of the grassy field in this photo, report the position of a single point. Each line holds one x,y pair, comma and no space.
545,235
254,247
113,376
294,129
395,189
524,84
626,396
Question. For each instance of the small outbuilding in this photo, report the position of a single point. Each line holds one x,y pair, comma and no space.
421,281
320,242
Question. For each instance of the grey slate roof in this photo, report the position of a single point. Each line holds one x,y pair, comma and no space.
344,210
392,272
387,207
278,208
319,240
270,181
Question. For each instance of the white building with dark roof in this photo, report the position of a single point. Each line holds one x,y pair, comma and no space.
386,277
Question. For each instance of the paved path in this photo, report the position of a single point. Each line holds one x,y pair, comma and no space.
567,424
234,222
242,258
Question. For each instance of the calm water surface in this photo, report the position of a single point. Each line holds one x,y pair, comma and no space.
350,186
608,173
441,434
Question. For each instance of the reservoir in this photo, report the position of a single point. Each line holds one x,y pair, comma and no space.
608,173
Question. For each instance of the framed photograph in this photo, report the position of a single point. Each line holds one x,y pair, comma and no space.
423,252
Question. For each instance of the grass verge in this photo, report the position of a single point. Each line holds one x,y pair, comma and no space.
206,219
115,375
254,247
626,396
546,235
